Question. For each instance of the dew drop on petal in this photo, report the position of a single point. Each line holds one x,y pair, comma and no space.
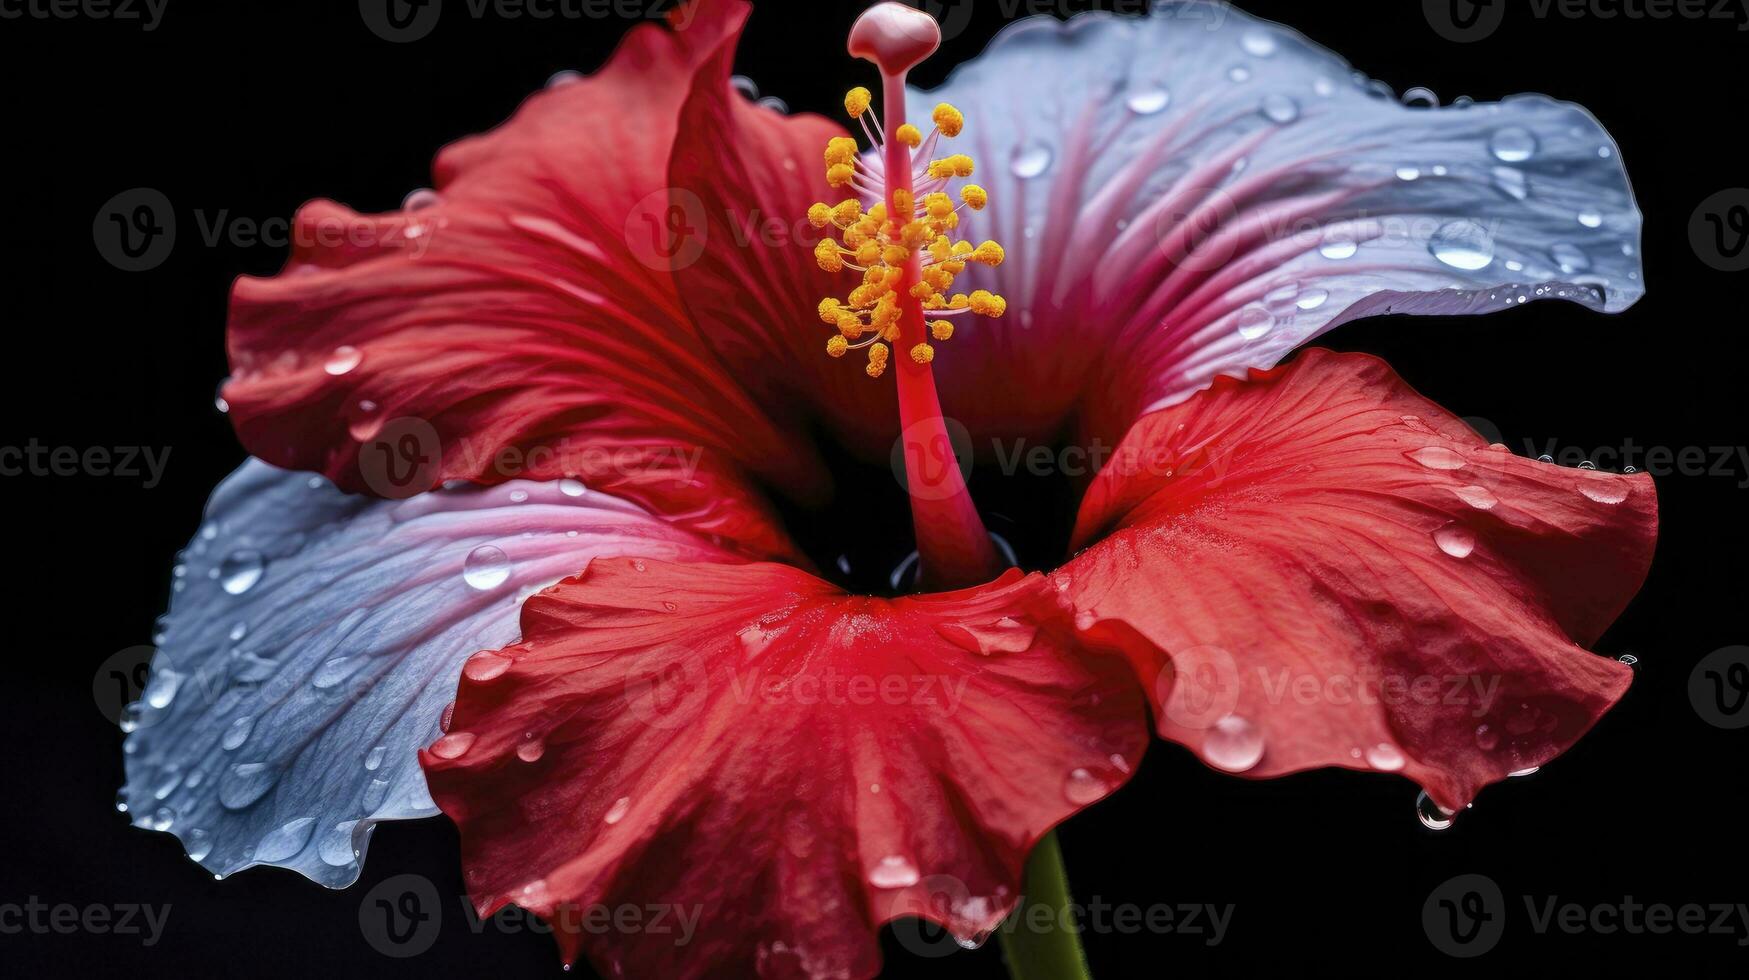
531,750
237,734
1455,540
374,758
1233,744
1339,248
420,198
1254,322
199,843
485,666
1311,299
572,487
1513,144
1462,245
453,746
240,570
893,871
1511,182
1385,757
1148,101
1605,489
285,841
1030,159
1437,458
486,568
1281,109
1521,773
335,848
1487,739
1480,498
1591,219
1570,258
563,77
1432,815
245,783
343,360
617,811
1257,43
1081,787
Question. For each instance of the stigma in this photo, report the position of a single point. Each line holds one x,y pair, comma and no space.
898,225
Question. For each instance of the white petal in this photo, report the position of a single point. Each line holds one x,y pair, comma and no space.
314,639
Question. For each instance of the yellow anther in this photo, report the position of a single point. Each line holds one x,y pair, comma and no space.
960,301
948,119
848,212
836,345
839,174
891,334
914,235
937,278
939,205
909,135
941,329
827,254
850,327
877,213
819,216
922,290
923,353
840,149
895,254
963,248
989,253
985,303
958,165
877,360
867,254
856,101
974,196
830,310
941,249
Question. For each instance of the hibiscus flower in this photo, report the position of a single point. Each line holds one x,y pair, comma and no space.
514,549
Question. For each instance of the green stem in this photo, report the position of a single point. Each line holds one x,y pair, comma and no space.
1037,946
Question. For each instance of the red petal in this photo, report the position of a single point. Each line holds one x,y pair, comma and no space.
1285,544
520,313
796,765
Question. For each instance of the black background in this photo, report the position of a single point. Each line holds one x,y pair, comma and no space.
253,108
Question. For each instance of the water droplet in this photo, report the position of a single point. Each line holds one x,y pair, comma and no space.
1628,660
485,666
1254,322
1030,159
375,794
572,487
893,871
1513,144
332,672
748,88
421,198
1408,173
237,734
245,783
1511,183
240,570
366,421
285,841
1432,815
617,811
1455,540
1081,787
531,750
1463,245
374,758
1233,744
336,847
1281,109
1148,101
1487,739
1259,44
1570,258
1521,773
219,401
1604,489
563,77
1324,87
199,844
162,818
162,688
1480,498
344,359
486,568
1437,458
1591,219
1421,97
1239,73
453,746
1339,248
1385,757
1311,299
